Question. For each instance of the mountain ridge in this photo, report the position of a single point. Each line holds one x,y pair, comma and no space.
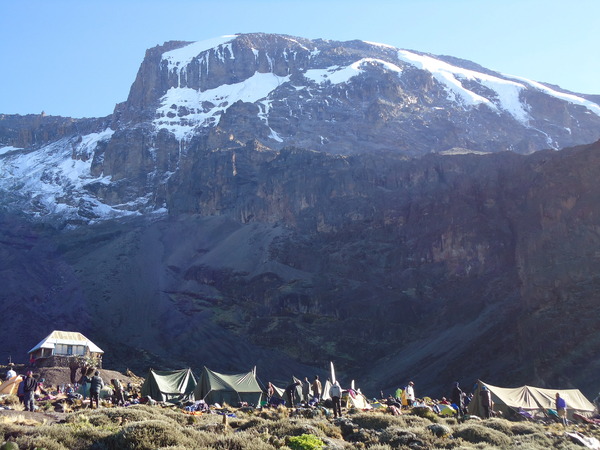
292,201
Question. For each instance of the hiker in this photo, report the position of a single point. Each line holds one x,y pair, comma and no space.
335,392
84,382
410,393
270,392
118,398
561,409
96,384
485,396
29,386
316,388
290,392
306,390
457,398
10,373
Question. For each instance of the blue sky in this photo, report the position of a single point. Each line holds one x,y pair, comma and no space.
79,58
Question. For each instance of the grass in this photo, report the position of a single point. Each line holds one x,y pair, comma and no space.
146,427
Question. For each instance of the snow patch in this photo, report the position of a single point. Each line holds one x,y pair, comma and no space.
462,151
507,91
181,57
53,178
380,45
593,107
8,149
183,109
338,75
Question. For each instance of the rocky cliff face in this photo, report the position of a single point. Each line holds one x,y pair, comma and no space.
277,201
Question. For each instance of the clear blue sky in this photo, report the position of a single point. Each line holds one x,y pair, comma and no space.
79,58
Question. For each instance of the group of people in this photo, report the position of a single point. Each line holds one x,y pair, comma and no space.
311,393
90,387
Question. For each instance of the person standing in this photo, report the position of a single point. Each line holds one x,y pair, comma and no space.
316,388
29,386
118,397
290,392
485,397
96,384
270,392
306,390
457,398
561,409
410,393
10,373
335,392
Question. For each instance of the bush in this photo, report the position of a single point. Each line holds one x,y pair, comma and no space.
305,442
476,433
526,428
376,421
501,425
284,428
151,434
398,437
439,430
237,441
425,413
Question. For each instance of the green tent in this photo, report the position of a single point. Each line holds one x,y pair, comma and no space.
174,386
215,387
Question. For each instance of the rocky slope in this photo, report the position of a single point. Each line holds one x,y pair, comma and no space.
432,269
274,201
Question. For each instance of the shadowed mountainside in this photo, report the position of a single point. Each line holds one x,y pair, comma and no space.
434,269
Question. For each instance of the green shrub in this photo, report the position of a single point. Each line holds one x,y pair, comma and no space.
526,428
502,425
305,442
439,430
290,427
398,437
238,441
477,433
151,434
376,421
35,442
10,445
425,413
533,441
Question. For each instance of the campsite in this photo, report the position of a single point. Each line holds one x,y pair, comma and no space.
182,409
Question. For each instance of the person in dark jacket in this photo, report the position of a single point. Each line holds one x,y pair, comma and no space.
306,390
290,392
485,396
457,398
96,384
29,386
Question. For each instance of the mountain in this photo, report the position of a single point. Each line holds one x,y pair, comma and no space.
272,200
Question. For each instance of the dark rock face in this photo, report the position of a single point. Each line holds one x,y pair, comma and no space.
314,223
434,269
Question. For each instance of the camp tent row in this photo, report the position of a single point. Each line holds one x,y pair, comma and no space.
181,386
531,399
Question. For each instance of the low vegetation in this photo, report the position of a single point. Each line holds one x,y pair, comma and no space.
153,427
